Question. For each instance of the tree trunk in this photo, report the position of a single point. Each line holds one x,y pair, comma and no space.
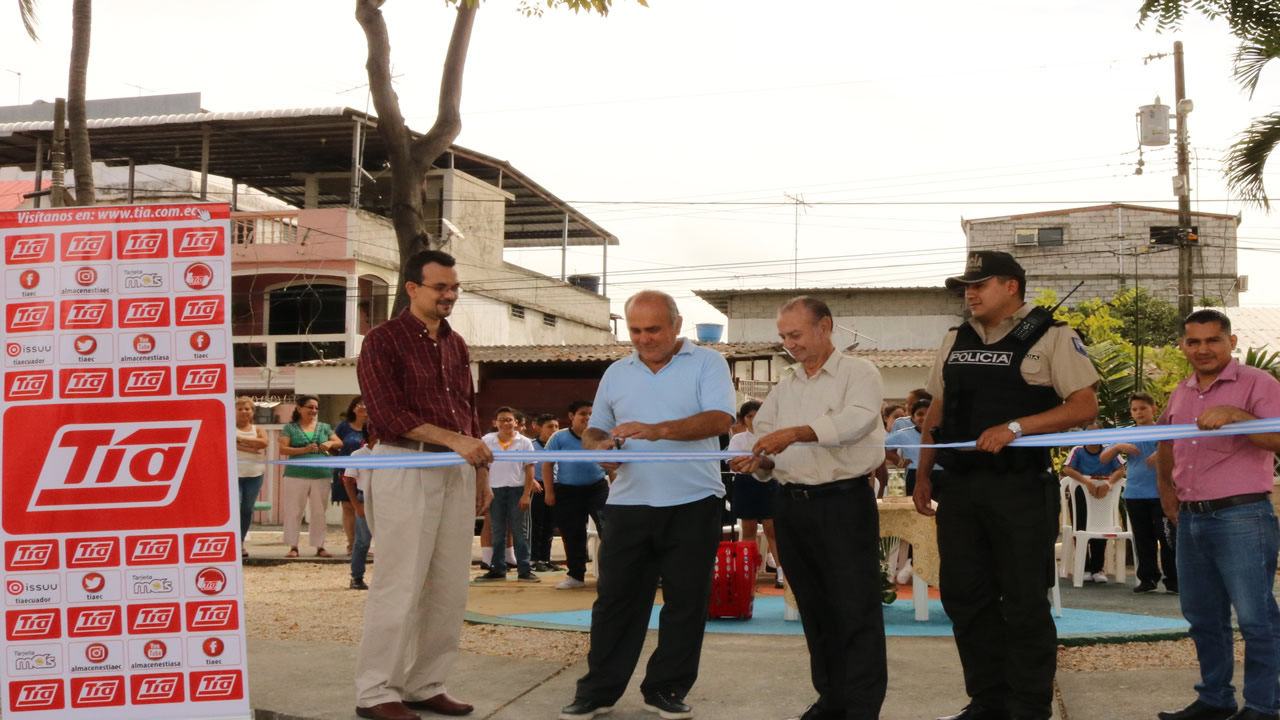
410,160
81,156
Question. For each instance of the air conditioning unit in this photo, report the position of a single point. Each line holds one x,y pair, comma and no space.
1242,283
1025,237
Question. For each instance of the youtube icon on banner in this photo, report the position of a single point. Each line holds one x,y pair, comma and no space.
123,592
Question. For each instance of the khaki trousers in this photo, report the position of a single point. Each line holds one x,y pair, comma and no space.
296,494
424,520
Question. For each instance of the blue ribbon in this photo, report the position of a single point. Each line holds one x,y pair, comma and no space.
1148,433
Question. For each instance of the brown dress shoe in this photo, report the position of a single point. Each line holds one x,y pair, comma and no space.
441,704
387,711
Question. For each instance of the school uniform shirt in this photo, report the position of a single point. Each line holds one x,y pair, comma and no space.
507,473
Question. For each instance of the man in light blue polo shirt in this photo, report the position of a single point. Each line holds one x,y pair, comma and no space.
663,518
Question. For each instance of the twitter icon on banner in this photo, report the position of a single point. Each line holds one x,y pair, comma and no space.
85,349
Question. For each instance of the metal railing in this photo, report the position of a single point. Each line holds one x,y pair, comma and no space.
755,388
264,228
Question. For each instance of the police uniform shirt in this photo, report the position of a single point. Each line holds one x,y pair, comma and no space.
1058,358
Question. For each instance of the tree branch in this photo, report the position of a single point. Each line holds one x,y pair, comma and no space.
448,124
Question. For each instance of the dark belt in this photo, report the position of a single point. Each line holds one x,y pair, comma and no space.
416,445
1204,506
798,490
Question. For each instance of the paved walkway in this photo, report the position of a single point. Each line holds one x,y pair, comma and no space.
743,677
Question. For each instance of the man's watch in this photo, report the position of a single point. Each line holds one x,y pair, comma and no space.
1016,427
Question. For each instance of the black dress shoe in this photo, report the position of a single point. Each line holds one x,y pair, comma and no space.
582,709
667,704
1198,711
974,711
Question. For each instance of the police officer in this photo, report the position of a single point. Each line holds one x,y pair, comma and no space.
1009,370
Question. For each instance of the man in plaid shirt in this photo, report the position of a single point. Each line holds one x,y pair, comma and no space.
415,377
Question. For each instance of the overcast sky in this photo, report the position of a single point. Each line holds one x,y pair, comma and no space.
912,115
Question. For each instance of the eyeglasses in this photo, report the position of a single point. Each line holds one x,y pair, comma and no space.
442,288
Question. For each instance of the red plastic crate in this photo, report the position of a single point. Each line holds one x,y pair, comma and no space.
733,586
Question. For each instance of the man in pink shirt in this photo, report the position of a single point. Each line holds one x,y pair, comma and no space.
1217,491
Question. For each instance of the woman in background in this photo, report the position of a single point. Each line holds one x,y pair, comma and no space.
305,437
351,432
251,443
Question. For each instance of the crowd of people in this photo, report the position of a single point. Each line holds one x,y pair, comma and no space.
811,455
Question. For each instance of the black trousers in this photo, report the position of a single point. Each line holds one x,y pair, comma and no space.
1096,554
995,542
839,601
542,525
574,504
678,544
1151,529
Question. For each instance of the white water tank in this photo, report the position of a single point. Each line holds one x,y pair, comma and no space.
1153,124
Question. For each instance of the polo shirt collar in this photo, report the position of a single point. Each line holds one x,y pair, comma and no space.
1230,373
686,348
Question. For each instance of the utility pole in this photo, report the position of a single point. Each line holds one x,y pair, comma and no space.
1182,186
795,258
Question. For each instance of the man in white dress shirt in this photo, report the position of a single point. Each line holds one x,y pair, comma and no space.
826,519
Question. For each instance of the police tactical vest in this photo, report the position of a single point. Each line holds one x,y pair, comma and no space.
984,388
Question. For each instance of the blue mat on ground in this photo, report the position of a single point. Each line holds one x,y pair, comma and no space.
899,620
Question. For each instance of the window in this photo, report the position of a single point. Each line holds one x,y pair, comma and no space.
288,353
517,312
249,354
548,320
1168,234
1043,237
1049,237
307,310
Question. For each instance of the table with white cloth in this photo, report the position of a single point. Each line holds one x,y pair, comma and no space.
899,519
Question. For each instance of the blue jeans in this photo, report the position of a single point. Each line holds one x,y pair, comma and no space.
504,512
360,549
249,489
1226,559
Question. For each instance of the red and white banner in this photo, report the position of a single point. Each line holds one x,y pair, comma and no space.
123,594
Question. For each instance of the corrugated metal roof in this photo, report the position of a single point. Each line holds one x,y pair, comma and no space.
272,150
897,358
1255,326
1091,208
12,191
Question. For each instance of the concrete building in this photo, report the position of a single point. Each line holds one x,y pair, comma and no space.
1114,246
315,261
897,329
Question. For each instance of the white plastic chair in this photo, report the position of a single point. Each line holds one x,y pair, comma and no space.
593,545
1103,523
1068,521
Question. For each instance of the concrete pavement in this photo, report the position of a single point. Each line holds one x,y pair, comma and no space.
742,678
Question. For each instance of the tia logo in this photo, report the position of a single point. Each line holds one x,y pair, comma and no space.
138,244
99,466
152,312
86,246
92,552
28,249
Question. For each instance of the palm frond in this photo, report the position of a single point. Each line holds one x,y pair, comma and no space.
1248,159
1248,63
27,8
1266,361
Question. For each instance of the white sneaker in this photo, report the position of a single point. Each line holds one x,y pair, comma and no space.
570,584
904,575
1100,577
